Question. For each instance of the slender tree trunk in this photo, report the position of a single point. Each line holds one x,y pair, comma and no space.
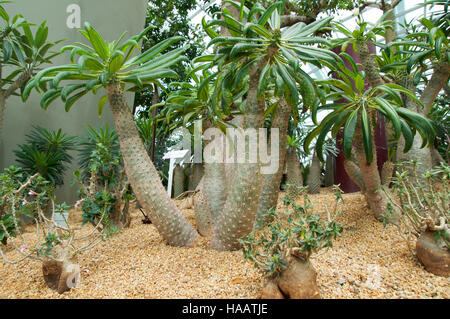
315,175
369,65
2,112
178,181
294,174
239,213
330,167
271,182
144,178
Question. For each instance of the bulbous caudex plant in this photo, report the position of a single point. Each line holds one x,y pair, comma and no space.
56,246
425,213
281,248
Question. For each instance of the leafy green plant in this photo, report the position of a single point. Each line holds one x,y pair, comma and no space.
423,202
99,148
22,54
47,153
104,186
295,231
55,246
111,66
20,197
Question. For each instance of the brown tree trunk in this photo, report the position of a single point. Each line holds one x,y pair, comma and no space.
144,178
271,182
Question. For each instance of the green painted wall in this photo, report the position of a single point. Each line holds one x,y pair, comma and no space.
110,18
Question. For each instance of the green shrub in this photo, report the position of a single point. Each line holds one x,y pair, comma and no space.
422,201
105,191
46,152
20,196
294,231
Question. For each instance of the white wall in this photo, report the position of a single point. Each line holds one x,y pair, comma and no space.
110,18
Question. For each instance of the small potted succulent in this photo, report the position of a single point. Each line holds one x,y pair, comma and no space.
281,249
55,246
424,206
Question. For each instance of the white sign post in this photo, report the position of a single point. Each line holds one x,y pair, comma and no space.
176,157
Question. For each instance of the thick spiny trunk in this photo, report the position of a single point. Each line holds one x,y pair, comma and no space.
271,182
375,197
354,172
369,65
144,178
2,112
239,213
294,174
437,82
315,175
202,212
215,185
178,181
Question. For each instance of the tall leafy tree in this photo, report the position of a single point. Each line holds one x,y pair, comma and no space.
258,50
111,66
358,116
22,53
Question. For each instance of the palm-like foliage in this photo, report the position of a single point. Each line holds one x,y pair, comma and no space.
358,112
47,153
366,32
111,65
22,54
102,143
103,63
256,35
191,101
422,49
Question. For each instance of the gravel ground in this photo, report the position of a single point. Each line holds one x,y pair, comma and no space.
368,261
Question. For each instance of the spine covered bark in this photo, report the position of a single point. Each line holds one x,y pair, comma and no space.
315,175
294,174
144,178
239,213
271,182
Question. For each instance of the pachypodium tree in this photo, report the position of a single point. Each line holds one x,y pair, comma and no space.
56,243
111,66
418,59
293,167
357,116
22,54
424,62
262,53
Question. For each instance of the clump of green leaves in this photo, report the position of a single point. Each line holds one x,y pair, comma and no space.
46,152
422,201
20,196
104,186
294,232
